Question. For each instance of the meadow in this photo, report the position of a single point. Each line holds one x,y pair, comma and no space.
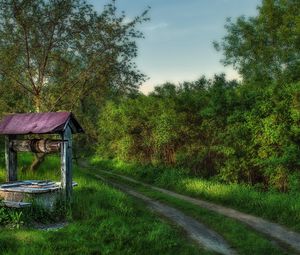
276,206
230,141
102,220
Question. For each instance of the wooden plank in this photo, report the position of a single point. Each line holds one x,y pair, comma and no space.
66,163
14,204
10,159
74,184
32,186
13,184
31,190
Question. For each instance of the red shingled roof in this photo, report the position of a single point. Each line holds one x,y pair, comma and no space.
38,123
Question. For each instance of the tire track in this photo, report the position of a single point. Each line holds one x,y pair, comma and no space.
272,230
195,230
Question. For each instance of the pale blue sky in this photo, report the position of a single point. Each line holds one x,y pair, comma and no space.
179,36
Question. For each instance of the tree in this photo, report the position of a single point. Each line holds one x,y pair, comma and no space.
266,47
239,133
58,52
62,55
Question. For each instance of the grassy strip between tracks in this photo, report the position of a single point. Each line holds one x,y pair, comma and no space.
282,208
241,237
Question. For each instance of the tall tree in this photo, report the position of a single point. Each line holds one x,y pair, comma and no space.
266,47
63,55
58,52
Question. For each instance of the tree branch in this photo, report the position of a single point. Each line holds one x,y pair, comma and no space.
16,10
17,81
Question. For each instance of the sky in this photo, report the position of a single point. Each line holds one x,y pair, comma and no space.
178,38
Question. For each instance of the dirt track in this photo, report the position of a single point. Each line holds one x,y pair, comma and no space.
196,230
270,229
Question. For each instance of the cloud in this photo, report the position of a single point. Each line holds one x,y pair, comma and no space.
127,20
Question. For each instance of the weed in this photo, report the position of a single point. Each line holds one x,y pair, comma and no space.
16,219
102,220
242,197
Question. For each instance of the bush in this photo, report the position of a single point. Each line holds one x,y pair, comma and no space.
11,218
240,133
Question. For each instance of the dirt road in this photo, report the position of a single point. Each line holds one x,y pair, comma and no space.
195,230
270,229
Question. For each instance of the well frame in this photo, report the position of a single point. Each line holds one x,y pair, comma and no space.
61,123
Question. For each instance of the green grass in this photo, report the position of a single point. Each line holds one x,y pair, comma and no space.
102,221
283,208
49,170
242,238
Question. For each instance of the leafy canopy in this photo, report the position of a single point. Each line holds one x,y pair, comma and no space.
266,47
58,52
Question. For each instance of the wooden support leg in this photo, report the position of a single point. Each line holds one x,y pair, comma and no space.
66,164
10,159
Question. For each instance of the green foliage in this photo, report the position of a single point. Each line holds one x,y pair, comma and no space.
16,219
241,133
63,55
143,128
102,221
266,47
246,198
228,228
4,217
11,218
64,51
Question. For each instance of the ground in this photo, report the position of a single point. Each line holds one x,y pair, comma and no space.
105,220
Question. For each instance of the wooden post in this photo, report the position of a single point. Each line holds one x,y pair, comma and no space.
10,159
66,163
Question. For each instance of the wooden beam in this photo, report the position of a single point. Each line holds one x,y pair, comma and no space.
36,145
14,204
10,159
66,163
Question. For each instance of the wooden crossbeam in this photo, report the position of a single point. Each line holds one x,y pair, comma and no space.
36,145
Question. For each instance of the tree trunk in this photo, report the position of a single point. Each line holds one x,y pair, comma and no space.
39,159
37,101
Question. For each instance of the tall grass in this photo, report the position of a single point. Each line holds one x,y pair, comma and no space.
283,208
243,239
102,221
49,170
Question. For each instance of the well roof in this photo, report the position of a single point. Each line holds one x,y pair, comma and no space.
39,123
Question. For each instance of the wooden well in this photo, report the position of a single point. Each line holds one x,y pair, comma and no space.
23,193
16,125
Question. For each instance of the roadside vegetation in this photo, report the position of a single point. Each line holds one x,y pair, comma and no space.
235,133
228,228
243,131
102,219
242,197
233,142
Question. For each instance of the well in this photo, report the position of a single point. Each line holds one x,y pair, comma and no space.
21,193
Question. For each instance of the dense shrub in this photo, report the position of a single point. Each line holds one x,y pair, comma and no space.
237,132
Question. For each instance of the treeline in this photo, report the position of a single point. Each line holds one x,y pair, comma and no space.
62,55
235,132
245,132
66,56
